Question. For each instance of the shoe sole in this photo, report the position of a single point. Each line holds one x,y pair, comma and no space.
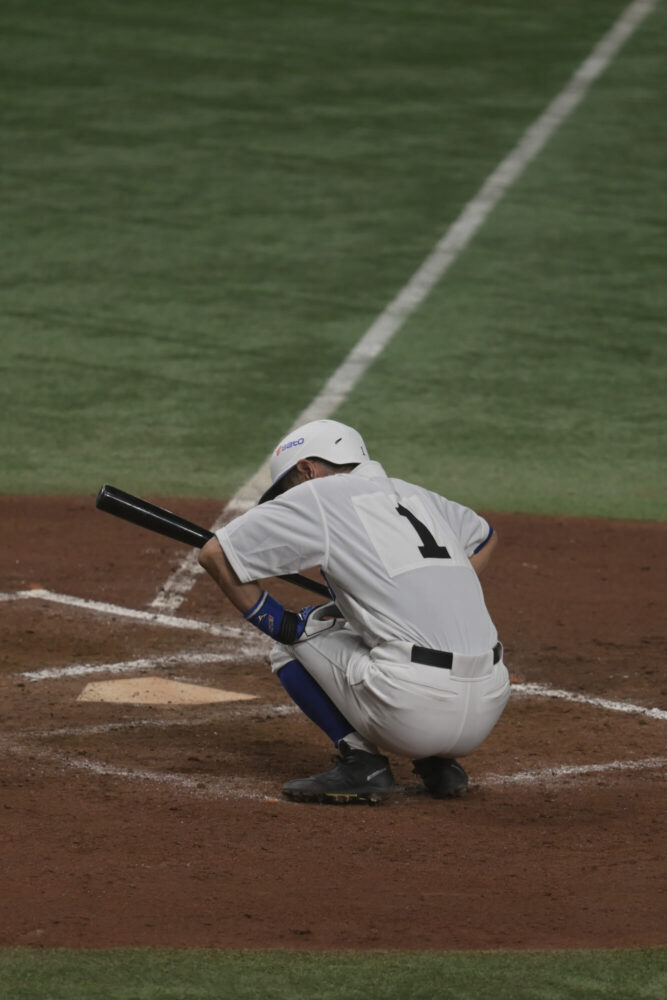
370,798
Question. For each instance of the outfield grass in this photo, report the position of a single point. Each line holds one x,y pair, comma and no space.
199,975
534,377
207,205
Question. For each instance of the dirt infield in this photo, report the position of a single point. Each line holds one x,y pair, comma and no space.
127,824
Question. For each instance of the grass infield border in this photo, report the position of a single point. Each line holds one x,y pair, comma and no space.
199,974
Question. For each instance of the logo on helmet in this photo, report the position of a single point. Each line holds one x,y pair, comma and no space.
289,444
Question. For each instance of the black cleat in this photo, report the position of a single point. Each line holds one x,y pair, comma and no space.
443,776
357,777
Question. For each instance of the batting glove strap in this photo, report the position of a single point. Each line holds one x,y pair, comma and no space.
287,627
299,626
314,619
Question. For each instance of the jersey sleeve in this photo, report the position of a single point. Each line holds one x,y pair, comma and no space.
472,530
282,536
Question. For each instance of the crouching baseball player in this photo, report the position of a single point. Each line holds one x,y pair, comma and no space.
405,659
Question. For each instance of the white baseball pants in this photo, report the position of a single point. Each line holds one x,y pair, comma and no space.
402,707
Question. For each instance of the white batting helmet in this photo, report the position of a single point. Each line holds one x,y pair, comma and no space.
327,439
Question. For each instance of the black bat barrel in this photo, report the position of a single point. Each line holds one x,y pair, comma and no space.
164,522
148,515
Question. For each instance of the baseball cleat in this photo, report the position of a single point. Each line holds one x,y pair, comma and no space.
356,777
443,776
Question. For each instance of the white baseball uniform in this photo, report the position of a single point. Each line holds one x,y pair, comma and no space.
396,557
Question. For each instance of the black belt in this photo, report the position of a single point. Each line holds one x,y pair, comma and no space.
438,658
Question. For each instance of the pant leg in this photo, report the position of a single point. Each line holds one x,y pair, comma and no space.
330,658
408,709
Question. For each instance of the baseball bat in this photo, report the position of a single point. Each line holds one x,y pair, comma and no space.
164,522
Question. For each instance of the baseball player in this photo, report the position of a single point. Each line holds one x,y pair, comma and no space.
405,659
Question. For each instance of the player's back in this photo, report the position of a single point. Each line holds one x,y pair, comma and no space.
397,559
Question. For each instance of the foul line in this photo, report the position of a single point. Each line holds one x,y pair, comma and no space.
173,592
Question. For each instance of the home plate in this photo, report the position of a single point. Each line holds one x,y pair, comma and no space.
157,691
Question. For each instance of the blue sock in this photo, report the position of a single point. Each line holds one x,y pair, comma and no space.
313,701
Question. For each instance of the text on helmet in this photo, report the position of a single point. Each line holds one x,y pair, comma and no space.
289,444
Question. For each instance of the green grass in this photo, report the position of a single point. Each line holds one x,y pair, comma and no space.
203,208
534,377
207,205
199,975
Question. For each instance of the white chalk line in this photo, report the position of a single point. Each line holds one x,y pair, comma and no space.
241,709
253,646
231,788
173,660
543,691
573,771
147,617
218,788
272,710
338,387
226,789
235,788
241,788
170,661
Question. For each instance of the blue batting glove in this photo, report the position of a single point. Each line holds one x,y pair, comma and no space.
289,627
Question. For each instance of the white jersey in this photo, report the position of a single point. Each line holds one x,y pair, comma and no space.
395,555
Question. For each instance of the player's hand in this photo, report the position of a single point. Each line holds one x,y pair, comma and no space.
288,627
314,619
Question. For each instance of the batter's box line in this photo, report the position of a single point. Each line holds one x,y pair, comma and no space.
219,714
229,631
543,691
169,660
120,611
546,774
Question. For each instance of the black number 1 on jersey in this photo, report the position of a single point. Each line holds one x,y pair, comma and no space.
429,547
